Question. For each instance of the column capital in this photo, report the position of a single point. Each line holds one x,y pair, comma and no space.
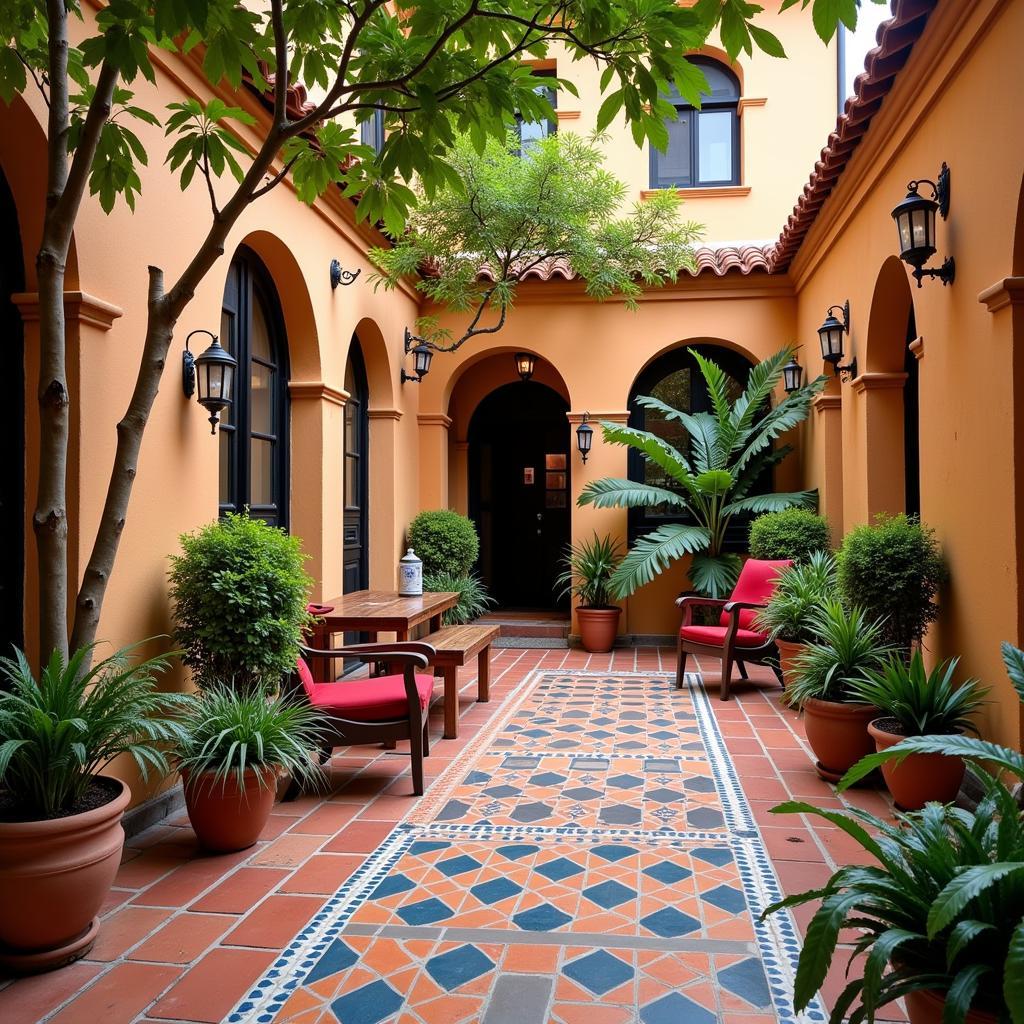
434,419
384,414
316,390
1007,292
826,403
80,306
878,381
917,347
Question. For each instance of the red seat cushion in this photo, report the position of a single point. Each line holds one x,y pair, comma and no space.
755,586
376,699
714,636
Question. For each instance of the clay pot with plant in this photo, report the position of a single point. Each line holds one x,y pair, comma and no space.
845,647
799,593
916,702
234,748
60,819
587,577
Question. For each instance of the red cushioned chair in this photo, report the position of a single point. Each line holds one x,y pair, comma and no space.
734,639
378,709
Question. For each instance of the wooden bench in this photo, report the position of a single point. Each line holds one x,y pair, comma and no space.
455,645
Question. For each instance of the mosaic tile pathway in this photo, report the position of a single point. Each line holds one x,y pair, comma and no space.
590,858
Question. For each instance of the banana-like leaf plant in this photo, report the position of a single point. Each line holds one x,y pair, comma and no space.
730,447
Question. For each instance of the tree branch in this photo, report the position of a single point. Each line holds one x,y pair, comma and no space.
276,180
40,82
281,60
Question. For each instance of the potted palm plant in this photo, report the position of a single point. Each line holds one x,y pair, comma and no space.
916,702
845,646
940,914
589,567
60,818
799,593
233,748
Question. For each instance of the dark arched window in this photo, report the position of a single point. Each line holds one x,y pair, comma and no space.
676,380
703,145
254,432
356,571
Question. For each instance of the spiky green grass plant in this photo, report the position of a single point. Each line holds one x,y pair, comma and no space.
589,567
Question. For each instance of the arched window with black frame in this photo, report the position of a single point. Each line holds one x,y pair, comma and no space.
703,145
675,379
254,431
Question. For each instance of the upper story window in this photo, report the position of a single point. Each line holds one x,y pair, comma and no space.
703,145
371,132
531,131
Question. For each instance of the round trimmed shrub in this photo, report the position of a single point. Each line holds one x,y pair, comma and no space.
446,541
240,591
893,569
794,533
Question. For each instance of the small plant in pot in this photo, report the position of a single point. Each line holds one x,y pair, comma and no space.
233,749
60,818
587,577
800,592
846,645
916,702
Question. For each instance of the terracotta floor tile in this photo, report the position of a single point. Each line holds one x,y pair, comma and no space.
183,938
29,1000
290,850
793,843
322,874
239,893
326,820
209,990
122,930
188,880
147,867
275,922
360,837
119,996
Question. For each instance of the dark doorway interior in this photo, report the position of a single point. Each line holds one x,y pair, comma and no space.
12,429
519,492
356,573
912,424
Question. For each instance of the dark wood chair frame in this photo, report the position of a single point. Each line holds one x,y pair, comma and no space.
728,651
405,657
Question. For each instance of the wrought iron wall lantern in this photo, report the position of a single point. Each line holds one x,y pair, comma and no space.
584,437
341,276
830,335
915,222
526,362
421,356
213,371
792,375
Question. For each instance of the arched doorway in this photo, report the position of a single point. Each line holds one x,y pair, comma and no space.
911,422
254,433
12,429
356,546
519,491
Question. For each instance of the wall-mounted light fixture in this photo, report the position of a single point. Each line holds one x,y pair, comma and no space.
830,335
421,356
584,436
341,276
525,364
792,375
214,373
915,222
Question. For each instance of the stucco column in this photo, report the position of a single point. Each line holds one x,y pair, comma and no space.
433,431
603,460
317,468
386,533
881,398
828,445
458,477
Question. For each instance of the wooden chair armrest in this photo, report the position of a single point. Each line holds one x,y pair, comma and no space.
738,606
391,653
687,602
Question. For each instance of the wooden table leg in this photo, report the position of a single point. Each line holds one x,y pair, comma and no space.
451,702
483,675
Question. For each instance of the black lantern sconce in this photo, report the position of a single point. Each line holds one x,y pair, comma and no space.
792,375
421,356
341,276
584,437
830,334
915,222
525,364
213,372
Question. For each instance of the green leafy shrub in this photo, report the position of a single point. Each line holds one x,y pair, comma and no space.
794,533
61,730
446,541
473,597
893,570
589,567
240,594
800,592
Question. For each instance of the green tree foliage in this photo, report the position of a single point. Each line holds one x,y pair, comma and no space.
729,449
511,213
240,593
445,541
893,569
795,533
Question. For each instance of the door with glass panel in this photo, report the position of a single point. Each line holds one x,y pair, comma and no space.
254,431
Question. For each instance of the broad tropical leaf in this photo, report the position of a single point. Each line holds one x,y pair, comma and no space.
610,492
774,502
1013,976
965,887
655,553
1013,659
660,452
715,575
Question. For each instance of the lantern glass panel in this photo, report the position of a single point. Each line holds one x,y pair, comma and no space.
792,372
584,437
831,342
421,359
906,235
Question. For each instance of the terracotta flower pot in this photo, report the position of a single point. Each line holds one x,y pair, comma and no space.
919,778
598,628
54,877
225,817
788,653
838,735
925,1007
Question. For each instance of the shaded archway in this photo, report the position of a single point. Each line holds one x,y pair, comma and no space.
356,447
